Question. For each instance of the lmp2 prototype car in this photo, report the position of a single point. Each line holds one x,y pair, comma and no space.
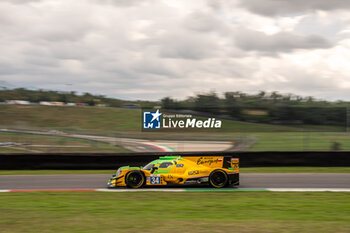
217,171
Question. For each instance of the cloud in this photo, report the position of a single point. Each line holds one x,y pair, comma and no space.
285,7
281,42
21,1
186,46
122,3
153,48
203,22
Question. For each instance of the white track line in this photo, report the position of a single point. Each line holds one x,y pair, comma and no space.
141,190
309,189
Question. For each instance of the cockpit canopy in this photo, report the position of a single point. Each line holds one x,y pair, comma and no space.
157,164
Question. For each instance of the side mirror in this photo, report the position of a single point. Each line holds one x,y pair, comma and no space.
153,169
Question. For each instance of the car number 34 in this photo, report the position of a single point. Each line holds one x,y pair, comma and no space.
155,179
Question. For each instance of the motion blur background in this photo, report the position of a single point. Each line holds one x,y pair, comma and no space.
276,73
40,121
76,75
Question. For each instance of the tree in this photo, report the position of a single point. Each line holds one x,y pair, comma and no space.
207,103
168,103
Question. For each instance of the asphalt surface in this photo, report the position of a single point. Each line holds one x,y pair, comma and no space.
249,180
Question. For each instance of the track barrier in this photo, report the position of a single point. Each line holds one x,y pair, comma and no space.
84,161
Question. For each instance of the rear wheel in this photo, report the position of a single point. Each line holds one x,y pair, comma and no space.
218,179
135,179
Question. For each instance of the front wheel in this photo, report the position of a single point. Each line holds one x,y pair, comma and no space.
218,179
135,179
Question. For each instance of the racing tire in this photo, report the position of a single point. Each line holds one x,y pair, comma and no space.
218,179
135,179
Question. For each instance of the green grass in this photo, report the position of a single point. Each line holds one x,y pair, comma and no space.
49,144
120,122
242,170
113,119
174,212
70,118
10,150
302,141
107,120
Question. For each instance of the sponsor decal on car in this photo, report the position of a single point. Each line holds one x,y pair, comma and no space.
209,161
234,160
179,165
193,172
235,163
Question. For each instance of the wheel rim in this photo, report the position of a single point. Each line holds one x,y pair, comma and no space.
134,179
218,178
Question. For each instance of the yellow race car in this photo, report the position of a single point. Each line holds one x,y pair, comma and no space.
217,171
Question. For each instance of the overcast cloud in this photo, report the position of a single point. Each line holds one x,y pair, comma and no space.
280,7
149,49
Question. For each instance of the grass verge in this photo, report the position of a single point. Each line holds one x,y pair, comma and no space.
117,122
174,212
30,143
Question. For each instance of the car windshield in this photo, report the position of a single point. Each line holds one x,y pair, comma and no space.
148,166
165,165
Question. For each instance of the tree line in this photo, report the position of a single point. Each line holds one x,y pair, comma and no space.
265,107
37,96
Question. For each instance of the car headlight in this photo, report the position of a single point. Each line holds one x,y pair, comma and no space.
118,172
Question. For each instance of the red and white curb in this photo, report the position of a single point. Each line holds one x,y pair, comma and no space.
161,148
44,190
91,190
184,190
143,190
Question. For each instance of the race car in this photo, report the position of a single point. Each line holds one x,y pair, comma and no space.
217,171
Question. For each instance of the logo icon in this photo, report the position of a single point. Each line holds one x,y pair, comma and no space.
151,120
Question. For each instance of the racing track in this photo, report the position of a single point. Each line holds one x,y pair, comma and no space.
249,180
142,145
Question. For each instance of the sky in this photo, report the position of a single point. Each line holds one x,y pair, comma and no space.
150,49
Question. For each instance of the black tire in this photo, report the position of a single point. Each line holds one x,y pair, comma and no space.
135,179
218,179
